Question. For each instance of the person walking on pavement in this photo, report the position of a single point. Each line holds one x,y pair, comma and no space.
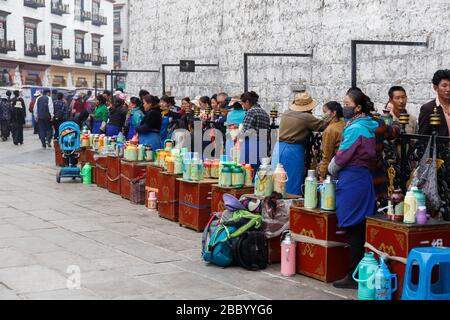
18,99
61,113
31,108
5,117
43,113
18,116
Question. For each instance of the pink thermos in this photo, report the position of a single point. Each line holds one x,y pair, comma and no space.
288,249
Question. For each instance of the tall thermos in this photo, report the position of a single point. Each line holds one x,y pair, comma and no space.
280,179
366,277
288,256
328,195
311,190
383,282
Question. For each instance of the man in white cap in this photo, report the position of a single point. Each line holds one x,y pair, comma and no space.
36,95
44,112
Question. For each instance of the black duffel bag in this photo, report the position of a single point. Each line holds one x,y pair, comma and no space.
250,250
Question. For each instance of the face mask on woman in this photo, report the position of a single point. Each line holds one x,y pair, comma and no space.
349,113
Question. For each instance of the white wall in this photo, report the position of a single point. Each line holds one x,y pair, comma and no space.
221,31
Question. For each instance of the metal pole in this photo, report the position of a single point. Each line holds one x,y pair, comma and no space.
106,82
245,72
354,66
95,79
403,162
163,79
112,82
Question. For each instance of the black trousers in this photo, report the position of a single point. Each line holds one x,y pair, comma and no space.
5,129
357,240
17,133
45,131
56,125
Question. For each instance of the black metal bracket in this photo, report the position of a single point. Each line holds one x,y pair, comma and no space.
247,55
117,72
166,65
355,44
106,74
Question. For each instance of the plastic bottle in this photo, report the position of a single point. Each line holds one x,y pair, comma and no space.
248,175
420,197
226,179
410,208
422,215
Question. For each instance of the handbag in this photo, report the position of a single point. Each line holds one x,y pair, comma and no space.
103,126
425,176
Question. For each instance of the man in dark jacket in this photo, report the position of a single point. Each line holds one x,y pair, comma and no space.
17,121
5,117
43,113
441,83
18,98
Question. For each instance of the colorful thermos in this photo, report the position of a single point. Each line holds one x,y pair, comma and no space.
311,190
288,256
366,270
383,282
280,178
264,179
328,195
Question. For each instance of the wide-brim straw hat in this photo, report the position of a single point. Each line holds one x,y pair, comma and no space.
37,94
303,102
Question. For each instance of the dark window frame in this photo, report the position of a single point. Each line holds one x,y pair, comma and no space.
31,25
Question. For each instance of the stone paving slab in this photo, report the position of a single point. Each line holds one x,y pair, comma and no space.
33,278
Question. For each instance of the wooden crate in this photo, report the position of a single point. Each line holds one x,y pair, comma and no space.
168,196
113,174
217,204
195,203
398,239
101,168
327,264
130,170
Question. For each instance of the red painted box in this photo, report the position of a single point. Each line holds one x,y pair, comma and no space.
327,264
151,180
59,162
129,171
217,204
398,239
274,250
101,168
195,203
113,174
168,196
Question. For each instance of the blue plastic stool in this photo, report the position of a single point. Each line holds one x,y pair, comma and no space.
427,259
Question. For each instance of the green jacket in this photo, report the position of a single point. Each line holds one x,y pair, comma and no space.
101,113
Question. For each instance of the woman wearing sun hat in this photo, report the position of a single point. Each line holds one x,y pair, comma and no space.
296,127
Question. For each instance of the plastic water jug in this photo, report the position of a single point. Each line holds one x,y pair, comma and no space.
280,178
86,173
264,179
366,269
383,282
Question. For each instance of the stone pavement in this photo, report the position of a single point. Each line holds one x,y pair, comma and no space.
122,250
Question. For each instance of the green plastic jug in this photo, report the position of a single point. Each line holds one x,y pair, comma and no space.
367,269
86,173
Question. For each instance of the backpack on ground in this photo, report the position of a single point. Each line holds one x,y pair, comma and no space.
250,250
216,220
220,251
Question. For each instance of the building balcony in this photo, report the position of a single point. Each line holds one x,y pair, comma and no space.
98,60
34,3
98,20
59,54
59,8
85,15
7,45
34,50
83,57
